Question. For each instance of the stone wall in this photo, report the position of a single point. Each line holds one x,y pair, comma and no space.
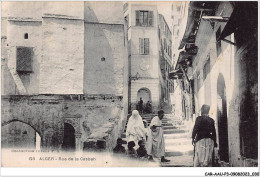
104,59
94,117
27,83
63,53
43,114
77,53
229,65
100,117
18,135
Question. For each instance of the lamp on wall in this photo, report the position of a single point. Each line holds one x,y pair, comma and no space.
136,77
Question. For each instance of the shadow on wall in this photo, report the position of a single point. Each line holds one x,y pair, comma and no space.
103,45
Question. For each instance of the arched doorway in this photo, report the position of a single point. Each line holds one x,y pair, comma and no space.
68,138
222,119
17,134
145,94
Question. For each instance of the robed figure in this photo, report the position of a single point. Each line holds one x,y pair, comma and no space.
155,142
135,130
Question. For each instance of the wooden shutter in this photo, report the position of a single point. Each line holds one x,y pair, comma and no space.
137,16
145,17
146,45
150,18
141,45
24,59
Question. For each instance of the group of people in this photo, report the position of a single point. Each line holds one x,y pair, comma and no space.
148,141
142,140
147,108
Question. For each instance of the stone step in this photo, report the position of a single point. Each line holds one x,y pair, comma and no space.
180,148
179,161
163,121
178,153
176,127
170,131
169,127
176,136
163,124
173,131
178,141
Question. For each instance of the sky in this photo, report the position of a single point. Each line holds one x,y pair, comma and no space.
164,8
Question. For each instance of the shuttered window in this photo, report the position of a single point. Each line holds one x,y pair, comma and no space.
144,18
150,18
141,45
24,59
144,46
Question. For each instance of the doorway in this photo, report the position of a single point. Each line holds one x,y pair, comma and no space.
69,138
145,94
222,119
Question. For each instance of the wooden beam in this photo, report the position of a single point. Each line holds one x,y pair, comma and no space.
185,74
215,18
202,9
227,41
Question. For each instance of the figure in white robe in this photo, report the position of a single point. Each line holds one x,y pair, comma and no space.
155,142
135,130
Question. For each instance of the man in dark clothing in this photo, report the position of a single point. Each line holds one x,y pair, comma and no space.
204,138
141,104
119,148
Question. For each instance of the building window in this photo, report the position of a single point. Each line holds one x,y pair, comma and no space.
206,68
24,59
218,43
26,36
144,18
144,46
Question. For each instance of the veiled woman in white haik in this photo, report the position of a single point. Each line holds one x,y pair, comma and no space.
135,130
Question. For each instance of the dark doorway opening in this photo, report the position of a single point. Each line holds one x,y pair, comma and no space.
69,138
222,120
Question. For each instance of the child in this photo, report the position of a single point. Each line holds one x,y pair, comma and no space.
131,151
119,148
141,151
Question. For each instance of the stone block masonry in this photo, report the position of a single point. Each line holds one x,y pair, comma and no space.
94,117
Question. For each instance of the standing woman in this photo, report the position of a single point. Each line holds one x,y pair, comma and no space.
135,130
204,138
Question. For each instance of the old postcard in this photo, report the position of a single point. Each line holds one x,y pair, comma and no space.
129,84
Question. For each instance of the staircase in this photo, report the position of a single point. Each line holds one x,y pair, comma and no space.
178,145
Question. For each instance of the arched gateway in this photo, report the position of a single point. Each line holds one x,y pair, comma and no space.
145,94
42,115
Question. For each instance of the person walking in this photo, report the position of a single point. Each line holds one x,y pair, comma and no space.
135,130
204,138
156,144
